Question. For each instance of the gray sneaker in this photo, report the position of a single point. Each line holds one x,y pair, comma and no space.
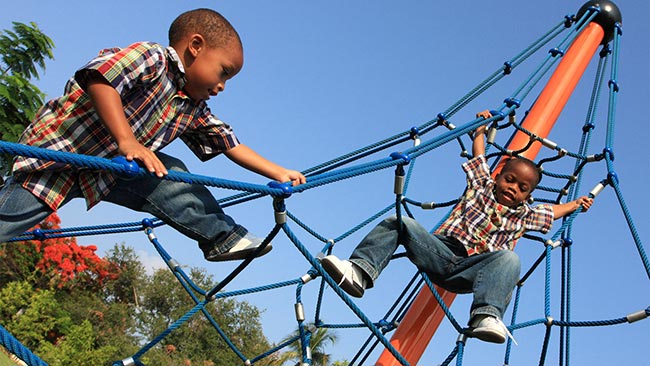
244,248
490,329
346,274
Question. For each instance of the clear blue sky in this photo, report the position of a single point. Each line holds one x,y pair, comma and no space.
324,78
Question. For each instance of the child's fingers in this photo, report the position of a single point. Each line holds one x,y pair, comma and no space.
150,162
485,114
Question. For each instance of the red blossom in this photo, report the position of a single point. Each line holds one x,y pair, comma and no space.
66,260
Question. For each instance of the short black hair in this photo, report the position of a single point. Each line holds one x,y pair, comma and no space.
217,30
522,160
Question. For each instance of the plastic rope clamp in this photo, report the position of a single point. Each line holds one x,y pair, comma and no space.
399,155
286,188
415,136
39,234
147,223
129,169
619,28
609,152
556,51
498,115
605,51
507,68
512,101
612,178
415,132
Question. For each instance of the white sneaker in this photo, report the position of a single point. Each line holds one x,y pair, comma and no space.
346,274
490,329
242,250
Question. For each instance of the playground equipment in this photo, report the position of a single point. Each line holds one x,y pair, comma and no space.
597,24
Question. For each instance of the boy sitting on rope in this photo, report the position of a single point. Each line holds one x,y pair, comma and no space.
133,102
471,252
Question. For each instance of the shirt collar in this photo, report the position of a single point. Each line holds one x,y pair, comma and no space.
177,67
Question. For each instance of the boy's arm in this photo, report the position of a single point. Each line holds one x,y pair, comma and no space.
108,105
249,159
564,209
478,144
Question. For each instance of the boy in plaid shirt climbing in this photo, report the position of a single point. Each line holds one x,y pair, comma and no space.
472,250
133,102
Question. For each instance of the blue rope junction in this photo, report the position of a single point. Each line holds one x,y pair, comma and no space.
399,152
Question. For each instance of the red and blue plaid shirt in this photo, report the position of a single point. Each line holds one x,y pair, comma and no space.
482,224
150,80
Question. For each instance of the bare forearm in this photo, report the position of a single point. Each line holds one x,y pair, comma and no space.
245,157
478,145
249,159
564,209
108,106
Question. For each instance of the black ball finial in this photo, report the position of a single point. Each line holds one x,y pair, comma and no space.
607,18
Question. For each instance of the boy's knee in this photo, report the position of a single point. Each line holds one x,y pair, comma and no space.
511,259
393,223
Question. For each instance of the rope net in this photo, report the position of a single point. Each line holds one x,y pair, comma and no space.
402,154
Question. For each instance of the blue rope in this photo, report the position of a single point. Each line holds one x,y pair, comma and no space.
14,346
341,168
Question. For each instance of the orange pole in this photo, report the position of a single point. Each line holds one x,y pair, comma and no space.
423,318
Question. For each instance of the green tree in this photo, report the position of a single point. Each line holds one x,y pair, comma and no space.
164,301
123,289
32,315
79,344
321,338
23,52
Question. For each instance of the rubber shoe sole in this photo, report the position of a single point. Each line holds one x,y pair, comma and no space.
239,254
332,266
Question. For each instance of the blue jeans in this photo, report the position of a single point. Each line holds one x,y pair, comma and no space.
490,276
189,208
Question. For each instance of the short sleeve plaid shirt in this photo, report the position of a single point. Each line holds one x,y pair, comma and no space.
482,224
150,80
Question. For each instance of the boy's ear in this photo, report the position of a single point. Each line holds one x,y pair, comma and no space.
196,43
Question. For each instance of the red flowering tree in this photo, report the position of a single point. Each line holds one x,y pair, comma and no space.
56,262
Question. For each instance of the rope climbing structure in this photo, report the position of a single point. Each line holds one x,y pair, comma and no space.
420,306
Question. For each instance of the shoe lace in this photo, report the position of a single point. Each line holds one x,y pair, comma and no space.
505,328
348,271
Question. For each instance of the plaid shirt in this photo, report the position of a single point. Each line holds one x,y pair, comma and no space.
150,80
482,224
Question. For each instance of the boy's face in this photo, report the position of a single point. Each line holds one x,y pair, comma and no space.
208,68
515,183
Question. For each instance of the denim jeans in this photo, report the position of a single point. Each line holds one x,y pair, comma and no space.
490,276
189,208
